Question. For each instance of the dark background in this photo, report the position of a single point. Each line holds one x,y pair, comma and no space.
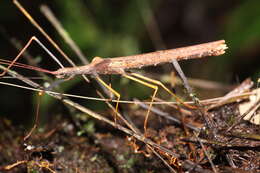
117,28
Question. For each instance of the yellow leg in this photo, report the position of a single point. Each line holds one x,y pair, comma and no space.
151,104
114,92
164,87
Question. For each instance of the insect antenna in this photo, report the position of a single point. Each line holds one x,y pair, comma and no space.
25,66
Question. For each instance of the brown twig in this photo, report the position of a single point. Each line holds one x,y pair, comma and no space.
206,153
118,65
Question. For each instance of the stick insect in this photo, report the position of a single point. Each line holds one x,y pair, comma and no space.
122,65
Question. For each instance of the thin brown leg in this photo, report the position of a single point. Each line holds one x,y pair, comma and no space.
33,38
18,56
36,121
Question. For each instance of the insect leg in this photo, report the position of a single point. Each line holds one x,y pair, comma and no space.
159,83
114,92
154,93
36,121
33,38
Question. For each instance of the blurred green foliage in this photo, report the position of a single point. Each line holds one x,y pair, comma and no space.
102,30
243,36
243,27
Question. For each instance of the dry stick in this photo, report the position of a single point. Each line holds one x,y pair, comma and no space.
91,113
235,97
205,151
229,158
227,144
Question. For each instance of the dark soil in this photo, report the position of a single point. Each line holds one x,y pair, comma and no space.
63,146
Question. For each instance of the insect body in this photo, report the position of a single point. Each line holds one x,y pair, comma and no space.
118,65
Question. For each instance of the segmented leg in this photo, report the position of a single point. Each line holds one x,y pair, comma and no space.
159,83
154,93
114,92
33,38
36,121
